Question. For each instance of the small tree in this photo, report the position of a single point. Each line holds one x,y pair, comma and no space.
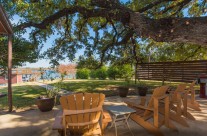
83,73
113,72
66,69
42,72
101,73
126,72
93,74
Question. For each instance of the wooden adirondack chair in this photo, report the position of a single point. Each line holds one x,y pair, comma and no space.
192,103
178,104
151,110
82,113
176,101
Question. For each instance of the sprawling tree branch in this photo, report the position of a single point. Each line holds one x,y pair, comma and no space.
179,4
188,30
87,13
153,4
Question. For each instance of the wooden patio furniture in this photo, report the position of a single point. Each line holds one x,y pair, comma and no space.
178,101
192,103
178,106
58,125
145,112
82,115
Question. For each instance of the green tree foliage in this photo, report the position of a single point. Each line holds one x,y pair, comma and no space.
23,51
101,73
103,28
93,74
126,71
83,73
87,62
161,52
113,72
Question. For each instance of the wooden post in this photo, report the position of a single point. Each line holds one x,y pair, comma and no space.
10,72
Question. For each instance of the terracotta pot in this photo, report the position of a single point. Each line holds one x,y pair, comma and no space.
142,91
123,91
45,104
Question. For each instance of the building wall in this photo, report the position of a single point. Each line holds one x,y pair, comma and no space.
2,80
19,78
14,79
5,81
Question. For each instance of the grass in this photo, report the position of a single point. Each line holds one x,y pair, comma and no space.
106,86
23,95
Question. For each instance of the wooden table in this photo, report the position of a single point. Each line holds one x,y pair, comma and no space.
120,113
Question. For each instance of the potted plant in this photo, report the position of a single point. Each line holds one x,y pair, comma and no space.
126,72
123,90
46,102
142,89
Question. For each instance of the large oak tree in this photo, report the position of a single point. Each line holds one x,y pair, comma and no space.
107,27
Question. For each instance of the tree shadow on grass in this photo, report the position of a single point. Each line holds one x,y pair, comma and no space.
23,96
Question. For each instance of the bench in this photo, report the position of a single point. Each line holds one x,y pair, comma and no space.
59,126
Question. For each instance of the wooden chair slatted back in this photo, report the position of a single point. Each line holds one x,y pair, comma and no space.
158,92
192,85
180,88
82,101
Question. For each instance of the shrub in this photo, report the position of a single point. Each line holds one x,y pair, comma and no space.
113,72
83,73
101,73
126,71
93,74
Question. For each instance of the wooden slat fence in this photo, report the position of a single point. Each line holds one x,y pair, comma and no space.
179,71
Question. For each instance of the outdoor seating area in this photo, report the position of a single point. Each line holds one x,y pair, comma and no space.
34,122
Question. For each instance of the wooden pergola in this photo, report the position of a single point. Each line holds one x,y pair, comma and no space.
6,30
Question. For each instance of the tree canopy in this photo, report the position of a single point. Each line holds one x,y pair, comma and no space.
106,28
23,51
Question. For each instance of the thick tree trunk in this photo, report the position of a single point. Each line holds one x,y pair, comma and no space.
188,30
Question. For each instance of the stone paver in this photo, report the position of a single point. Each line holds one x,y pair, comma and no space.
36,123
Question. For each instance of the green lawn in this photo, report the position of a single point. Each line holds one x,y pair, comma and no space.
106,86
23,95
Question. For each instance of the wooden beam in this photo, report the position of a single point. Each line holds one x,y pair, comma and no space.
10,73
5,22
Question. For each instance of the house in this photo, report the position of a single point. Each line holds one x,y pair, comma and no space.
16,78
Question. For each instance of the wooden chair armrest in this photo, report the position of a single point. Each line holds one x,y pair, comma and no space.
143,107
138,106
72,112
161,97
106,117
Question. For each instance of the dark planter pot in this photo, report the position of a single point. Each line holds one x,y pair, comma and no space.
123,91
142,91
45,104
